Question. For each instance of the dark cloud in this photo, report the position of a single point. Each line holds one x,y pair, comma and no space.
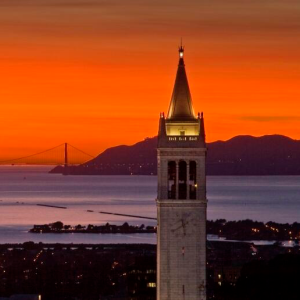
270,118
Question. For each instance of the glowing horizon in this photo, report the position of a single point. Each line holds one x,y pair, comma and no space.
97,73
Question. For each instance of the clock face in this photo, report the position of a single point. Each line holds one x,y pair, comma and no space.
182,222
177,226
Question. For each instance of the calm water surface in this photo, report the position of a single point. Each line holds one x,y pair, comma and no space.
261,198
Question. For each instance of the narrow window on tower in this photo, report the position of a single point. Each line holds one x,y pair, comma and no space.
171,180
182,180
193,180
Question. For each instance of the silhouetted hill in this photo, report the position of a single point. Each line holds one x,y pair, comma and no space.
241,155
248,155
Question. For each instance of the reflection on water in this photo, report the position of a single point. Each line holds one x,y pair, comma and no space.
261,198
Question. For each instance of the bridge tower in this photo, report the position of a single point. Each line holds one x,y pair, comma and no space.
181,200
66,164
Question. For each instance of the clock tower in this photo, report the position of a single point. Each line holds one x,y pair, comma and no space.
181,200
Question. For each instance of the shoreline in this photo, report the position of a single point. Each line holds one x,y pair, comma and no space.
285,244
243,230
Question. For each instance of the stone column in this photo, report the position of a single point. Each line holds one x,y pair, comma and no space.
177,179
201,179
198,182
187,180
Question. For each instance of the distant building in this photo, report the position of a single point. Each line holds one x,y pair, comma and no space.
141,279
181,199
228,274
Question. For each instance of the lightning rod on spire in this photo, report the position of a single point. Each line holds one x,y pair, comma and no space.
181,49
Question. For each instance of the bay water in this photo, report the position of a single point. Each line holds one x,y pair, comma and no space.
261,198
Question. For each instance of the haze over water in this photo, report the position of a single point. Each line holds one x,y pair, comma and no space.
262,198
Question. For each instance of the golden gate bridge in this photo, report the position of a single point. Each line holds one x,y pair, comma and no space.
67,155
64,154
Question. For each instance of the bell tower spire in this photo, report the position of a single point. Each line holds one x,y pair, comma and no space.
181,107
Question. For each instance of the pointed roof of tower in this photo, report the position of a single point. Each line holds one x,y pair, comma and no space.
181,107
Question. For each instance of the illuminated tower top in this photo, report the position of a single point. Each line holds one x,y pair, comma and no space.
181,128
181,107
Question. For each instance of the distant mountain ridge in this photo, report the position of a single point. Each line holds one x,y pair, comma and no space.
241,155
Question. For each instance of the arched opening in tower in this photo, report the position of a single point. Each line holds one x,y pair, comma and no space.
182,180
171,180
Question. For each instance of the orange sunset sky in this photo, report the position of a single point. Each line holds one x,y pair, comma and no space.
97,73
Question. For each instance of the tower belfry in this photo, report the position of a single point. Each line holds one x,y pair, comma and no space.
181,200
